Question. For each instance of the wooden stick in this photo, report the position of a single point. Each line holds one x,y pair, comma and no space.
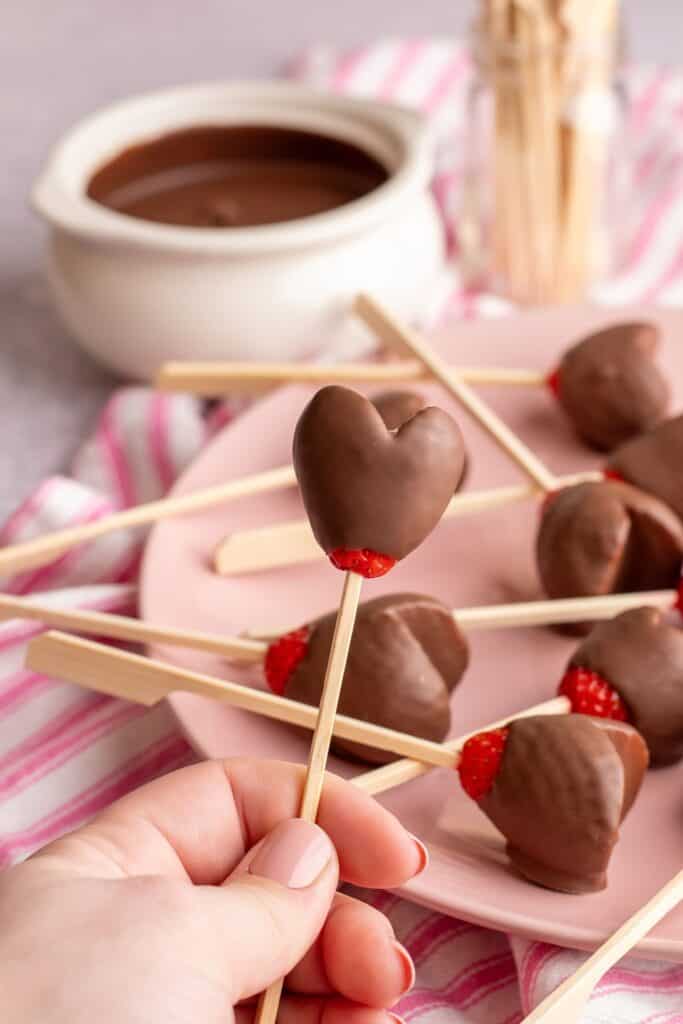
147,681
215,378
121,627
551,612
560,612
567,1003
291,543
30,554
379,780
387,327
266,1012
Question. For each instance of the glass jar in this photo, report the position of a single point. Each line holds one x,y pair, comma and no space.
545,168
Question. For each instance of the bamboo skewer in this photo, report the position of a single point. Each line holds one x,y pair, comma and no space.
379,780
560,612
398,336
291,543
567,1003
550,612
121,627
33,553
148,681
253,648
267,1010
215,378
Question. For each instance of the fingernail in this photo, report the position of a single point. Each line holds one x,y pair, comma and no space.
423,854
294,854
407,966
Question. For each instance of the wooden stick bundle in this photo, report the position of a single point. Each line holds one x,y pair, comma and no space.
549,64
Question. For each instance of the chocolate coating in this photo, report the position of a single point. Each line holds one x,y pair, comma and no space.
407,655
607,537
641,656
397,407
653,462
235,176
563,788
610,385
367,487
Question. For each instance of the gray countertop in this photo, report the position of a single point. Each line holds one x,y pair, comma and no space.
61,60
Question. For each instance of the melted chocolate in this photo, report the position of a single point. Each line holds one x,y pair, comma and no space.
653,462
641,656
602,538
235,176
407,655
367,487
610,386
563,788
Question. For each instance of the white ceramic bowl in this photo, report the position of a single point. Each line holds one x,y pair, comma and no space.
135,293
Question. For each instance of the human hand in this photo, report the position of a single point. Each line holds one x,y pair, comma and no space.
194,893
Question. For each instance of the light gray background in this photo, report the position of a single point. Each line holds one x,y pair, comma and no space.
61,59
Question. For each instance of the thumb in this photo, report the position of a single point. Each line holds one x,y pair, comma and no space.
269,912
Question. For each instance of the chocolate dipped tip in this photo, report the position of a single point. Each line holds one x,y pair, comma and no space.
610,386
407,654
653,462
369,488
607,537
640,654
560,794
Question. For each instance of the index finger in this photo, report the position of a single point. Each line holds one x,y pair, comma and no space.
199,822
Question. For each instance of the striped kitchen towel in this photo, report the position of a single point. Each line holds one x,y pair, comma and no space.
65,754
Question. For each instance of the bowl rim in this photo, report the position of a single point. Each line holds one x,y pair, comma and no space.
59,197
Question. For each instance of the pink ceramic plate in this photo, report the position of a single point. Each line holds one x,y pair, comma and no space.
480,560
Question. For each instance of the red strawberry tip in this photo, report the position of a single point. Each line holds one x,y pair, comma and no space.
364,561
553,382
283,657
613,474
480,762
590,694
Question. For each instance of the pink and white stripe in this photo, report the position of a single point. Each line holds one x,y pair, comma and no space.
65,754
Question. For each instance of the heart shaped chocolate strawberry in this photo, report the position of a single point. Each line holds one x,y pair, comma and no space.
611,387
653,462
558,790
606,537
639,656
407,655
371,491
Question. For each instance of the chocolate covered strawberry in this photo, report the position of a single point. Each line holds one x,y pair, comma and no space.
558,788
407,655
638,656
372,494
